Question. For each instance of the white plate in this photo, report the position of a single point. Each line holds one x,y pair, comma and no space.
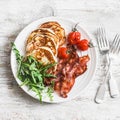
81,82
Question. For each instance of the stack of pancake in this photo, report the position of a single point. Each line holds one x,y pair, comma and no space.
43,42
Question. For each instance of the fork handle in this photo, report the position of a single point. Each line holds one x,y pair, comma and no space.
114,91
100,94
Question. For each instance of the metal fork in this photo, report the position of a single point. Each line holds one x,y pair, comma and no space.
114,50
104,47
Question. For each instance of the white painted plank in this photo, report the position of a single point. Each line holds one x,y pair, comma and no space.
88,5
15,104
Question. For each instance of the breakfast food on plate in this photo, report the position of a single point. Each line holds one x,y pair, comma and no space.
44,55
43,31
50,24
41,40
50,35
67,71
57,29
45,43
47,46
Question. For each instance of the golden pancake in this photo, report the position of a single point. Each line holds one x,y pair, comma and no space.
43,31
49,24
41,41
43,55
58,30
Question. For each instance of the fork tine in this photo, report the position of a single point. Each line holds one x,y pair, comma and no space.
105,40
102,41
118,45
115,44
99,38
103,36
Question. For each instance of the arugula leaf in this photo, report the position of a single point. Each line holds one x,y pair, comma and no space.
17,53
32,73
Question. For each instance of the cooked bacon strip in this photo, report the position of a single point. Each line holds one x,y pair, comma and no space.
67,73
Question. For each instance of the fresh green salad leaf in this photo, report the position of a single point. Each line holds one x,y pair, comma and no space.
32,73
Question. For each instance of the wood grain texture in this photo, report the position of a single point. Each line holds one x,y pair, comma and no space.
15,104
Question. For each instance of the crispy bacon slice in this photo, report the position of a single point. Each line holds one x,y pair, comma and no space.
68,70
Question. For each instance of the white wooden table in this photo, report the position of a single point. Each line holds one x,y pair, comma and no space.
15,104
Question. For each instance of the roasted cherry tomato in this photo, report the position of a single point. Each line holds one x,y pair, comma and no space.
83,45
74,36
63,52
